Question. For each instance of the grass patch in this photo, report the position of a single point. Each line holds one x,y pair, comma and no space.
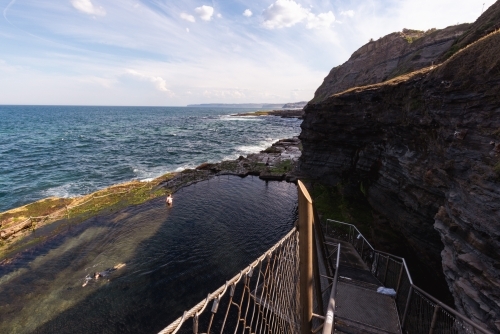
258,166
282,167
409,39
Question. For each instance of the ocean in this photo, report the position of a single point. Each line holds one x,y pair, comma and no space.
67,151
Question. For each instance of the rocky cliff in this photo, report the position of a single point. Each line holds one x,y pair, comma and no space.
487,23
425,149
388,57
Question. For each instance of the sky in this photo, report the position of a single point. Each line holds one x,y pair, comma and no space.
174,53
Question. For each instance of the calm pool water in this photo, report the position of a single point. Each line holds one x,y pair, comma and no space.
174,257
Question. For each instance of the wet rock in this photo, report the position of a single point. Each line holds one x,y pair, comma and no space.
268,176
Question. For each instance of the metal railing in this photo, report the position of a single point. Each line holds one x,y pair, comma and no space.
330,313
262,298
418,311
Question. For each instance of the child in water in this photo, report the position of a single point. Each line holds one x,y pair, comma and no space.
104,273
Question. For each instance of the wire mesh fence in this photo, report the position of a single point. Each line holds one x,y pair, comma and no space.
262,298
418,311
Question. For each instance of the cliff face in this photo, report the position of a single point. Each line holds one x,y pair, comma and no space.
388,57
426,147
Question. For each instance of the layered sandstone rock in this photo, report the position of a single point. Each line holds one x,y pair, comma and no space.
426,148
388,57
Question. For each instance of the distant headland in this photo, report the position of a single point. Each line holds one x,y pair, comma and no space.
249,105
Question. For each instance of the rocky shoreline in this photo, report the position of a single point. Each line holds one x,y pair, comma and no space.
283,113
276,163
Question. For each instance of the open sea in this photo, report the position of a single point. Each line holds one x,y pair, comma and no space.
67,151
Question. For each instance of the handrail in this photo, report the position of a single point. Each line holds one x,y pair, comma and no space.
449,309
413,286
359,233
330,313
407,272
217,294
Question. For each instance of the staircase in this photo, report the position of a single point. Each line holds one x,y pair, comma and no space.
360,271
359,308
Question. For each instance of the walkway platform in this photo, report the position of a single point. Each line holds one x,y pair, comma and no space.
359,308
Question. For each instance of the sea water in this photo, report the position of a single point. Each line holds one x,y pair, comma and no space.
67,151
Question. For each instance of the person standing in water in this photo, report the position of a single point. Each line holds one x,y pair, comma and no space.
169,199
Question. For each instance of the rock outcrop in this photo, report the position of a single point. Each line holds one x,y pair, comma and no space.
487,23
388,57
425,147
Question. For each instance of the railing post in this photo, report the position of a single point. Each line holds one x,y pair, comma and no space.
386,269
375,264
362,246
400,277
305,258
317,283
330,313
405,314
434,319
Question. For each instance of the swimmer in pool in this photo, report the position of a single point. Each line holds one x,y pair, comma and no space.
169,199
104,273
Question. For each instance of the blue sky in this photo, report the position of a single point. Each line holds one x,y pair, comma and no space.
164,52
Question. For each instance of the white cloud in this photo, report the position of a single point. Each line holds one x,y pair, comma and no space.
286,13
219,15
188,17
323,20
247,13
349,13
187,29
205,12
159,82
85,6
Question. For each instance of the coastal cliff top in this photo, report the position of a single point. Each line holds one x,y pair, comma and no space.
478,58
389,57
